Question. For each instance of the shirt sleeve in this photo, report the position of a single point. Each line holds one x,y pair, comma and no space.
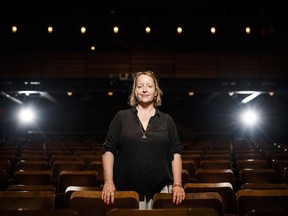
175,142
112,137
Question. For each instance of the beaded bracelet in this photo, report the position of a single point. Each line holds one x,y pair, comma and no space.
177,185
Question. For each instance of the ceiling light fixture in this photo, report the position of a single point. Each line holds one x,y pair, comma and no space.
250,97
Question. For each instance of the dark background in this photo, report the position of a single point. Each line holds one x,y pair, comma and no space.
24,60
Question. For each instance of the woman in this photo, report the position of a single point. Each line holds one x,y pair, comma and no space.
142,150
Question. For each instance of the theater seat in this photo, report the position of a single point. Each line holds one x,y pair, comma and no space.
41,212
215,164
59,166
69,190
210,200
251,164
270,200
259,176
26,200
215,176
76,178
264,186
89,203
27,177
265,213
31,165
225,190
163,212
20,187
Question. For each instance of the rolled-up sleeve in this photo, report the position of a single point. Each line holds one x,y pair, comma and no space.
112,137
175,142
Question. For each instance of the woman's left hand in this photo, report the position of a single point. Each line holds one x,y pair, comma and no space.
178,194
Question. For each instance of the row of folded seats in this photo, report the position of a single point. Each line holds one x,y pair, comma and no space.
231,169
219,198
238,162
42,162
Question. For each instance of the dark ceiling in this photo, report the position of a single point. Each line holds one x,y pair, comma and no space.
267,19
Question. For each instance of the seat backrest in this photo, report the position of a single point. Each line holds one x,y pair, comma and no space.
264,186
89,203
69,190
32,177
5,166
190,166
280,166
59,166
272,156
61,157
163,212
251,164
265,213
196,157
86,178
40,212
215,176
33,157
270,200
210,200
248,155
31,165
21,187
259,176
215,164
226,156
225,190
8,157
185,177
26,200
88,158
5,170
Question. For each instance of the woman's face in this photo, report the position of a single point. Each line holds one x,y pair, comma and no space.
145,90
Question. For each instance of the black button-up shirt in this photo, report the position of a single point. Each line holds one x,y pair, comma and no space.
142,164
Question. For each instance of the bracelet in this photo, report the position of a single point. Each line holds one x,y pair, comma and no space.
177,185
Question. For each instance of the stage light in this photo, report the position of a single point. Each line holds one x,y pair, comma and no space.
191,93
231,93
249,117
116,29
26,115
148,29
179,30
248,30
213,30
14,29
83,30
50,29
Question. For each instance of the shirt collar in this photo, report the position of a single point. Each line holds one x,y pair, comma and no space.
134,111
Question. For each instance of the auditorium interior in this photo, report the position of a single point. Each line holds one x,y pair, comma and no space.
223,70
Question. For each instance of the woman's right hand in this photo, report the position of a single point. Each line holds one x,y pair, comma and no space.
108,192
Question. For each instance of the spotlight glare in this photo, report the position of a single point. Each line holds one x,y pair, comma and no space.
26,115
249,117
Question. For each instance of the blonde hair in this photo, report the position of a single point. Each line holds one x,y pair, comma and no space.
157,101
